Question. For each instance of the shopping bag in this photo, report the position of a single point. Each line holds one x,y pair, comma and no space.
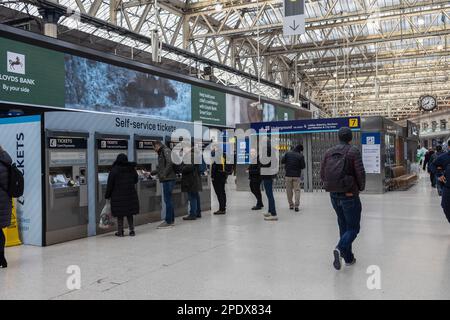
106,218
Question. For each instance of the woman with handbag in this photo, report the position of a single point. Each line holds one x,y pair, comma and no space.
5,202
121,190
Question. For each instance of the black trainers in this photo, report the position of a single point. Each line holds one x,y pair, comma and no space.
350,263
189,217
297,209
291,208
257,208
119,234
219,212
337,263
3,263
199,215
132,233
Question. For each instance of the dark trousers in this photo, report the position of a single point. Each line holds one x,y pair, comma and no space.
255,187
348,211
167,187
268,187
445,202
439,186
130,223
194,203
199,208
219,189
432,179
2,242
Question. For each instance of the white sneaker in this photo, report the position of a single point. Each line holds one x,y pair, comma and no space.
267,214
165,225
271,218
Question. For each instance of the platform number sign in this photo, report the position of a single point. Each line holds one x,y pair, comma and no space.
294,17
353,123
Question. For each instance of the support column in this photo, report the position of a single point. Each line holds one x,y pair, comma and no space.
186,32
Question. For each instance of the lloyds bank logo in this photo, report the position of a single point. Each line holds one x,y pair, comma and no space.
15,62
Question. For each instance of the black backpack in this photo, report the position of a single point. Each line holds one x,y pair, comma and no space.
336,177
16,181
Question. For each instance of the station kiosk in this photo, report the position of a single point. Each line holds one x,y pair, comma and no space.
66,186
149,189
107,148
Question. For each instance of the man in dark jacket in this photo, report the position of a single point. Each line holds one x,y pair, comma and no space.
346,202
254,175
192,184
442,171
294,163
121,189
220,171
5,202
167,176
426,166
432,168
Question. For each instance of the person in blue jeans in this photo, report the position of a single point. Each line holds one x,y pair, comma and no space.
343,175
167,176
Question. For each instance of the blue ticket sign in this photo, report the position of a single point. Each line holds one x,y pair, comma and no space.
309,125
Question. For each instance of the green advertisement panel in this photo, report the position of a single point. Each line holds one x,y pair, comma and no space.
31,75
208,106
284,114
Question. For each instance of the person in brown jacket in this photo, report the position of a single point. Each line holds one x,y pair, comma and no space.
342,172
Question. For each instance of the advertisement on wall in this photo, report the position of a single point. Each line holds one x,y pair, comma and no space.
371,155
208,106
242,110
21,139
31,75
98,86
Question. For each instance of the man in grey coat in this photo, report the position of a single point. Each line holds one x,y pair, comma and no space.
5,202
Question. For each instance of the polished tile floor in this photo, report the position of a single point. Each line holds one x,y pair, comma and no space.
240,256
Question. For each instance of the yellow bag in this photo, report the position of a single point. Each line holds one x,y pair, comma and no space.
12,232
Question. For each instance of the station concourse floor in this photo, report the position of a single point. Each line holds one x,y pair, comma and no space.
241,256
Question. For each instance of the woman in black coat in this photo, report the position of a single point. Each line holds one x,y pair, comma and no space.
121,189
5,202
191,182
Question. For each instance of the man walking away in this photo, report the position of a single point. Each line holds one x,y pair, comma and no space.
432,168
442,165
294,163
343,175
167,176
254,175
426,165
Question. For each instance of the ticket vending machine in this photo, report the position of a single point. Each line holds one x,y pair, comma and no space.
107,148
179,199
205,195
149,190
66,186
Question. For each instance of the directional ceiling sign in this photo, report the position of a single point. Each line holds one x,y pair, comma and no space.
294,17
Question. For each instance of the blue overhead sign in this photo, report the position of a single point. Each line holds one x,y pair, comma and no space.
309,125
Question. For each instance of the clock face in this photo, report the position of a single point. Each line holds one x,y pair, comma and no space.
428,103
